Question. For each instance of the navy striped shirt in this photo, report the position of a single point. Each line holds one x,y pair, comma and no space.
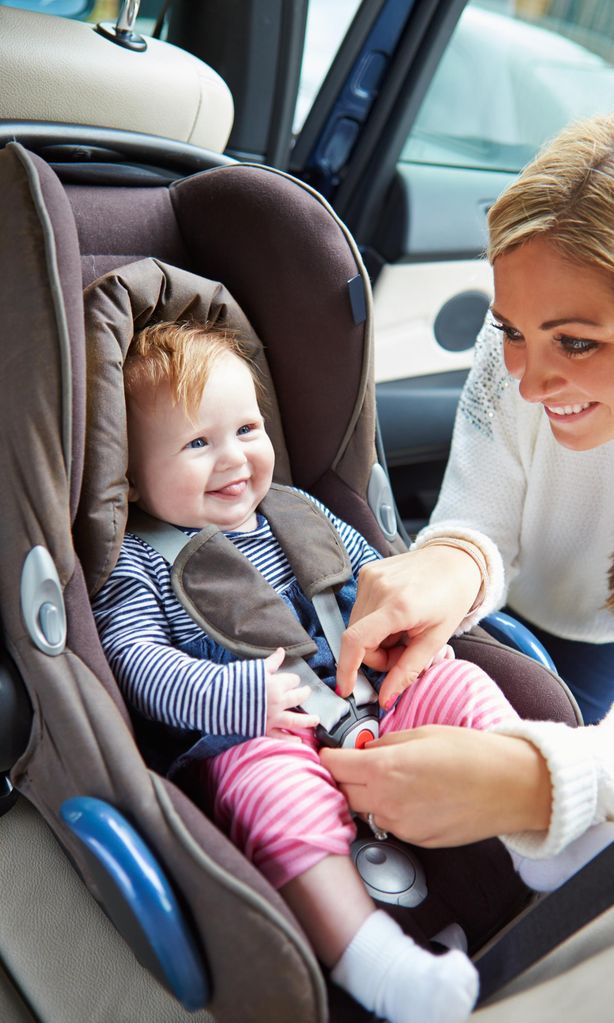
141,623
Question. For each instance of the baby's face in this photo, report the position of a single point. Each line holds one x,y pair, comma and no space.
214,469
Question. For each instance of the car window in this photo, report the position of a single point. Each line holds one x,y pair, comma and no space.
92,10
513,74
327,24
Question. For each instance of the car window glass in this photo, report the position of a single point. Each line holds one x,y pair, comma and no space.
327,24
92,10
513,74
107,10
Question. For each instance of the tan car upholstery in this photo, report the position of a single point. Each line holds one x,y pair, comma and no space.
55,69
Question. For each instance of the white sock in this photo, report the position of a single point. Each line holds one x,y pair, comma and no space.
384,970
548,875
452,936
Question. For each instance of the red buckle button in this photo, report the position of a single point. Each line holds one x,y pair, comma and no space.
363,738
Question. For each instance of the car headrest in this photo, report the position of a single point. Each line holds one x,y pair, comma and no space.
57,70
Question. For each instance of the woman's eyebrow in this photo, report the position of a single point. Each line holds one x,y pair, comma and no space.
549,324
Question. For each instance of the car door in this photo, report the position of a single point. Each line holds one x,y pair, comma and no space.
456,97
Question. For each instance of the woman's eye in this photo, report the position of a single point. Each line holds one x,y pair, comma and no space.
198,442
575,345
509,333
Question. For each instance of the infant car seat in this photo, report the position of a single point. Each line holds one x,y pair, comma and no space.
297,276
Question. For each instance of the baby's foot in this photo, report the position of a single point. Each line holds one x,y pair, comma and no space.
384,970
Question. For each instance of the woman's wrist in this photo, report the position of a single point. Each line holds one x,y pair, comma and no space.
569,758
487,557
526,787
471,551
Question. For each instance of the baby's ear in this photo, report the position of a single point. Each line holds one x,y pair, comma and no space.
133,494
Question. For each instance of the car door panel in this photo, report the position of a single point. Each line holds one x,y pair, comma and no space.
416,417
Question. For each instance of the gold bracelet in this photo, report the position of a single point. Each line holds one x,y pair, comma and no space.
474,553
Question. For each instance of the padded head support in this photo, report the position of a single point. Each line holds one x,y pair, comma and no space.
116,306
287,260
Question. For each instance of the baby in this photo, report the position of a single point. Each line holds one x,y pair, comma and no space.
199,454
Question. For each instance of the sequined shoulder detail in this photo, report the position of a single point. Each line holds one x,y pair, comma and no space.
486,383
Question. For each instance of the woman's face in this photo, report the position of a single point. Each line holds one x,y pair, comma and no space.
557,320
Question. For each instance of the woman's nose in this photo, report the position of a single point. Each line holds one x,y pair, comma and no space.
538,378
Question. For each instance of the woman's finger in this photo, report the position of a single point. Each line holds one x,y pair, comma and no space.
410,663
360,642
348,766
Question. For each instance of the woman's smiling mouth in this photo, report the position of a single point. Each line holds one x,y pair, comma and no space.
560,413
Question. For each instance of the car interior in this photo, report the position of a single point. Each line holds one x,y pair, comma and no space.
121,901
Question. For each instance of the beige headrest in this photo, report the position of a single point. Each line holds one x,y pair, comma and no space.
55,69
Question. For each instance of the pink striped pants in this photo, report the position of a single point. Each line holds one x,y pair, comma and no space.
282,808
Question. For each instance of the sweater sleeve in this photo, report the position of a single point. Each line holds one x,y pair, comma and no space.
161,681
484,485
581,766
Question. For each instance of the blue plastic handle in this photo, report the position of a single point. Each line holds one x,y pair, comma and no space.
507,629
138,879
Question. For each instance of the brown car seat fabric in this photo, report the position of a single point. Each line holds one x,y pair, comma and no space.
286,261
80,740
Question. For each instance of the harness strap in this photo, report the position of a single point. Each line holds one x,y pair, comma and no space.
167,540
323,702
333,627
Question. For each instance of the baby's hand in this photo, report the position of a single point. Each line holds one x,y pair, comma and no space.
284,691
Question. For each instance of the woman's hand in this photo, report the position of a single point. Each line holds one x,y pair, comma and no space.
406,609
444,786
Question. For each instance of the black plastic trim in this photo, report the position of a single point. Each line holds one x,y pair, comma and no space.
90,144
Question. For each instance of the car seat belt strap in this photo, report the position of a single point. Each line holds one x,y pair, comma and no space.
322,702
549,922
333,626
167,540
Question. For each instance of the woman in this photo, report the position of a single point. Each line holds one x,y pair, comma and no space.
525,515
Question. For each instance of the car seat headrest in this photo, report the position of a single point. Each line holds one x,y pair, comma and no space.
116,307
61,70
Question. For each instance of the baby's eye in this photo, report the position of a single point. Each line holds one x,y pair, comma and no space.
247,428
198,442
575,345
509,333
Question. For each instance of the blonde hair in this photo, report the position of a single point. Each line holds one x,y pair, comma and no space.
182,356
567,194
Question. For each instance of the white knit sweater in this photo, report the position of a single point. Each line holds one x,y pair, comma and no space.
581,765
542,515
